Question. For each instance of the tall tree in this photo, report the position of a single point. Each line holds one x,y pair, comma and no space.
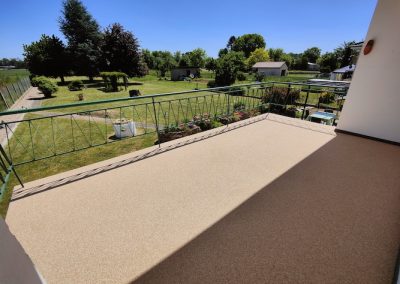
258,55
197,57
312,54
328,62
121,51
276,54
84,37
164,62
47,57
345,54
247,43
230,43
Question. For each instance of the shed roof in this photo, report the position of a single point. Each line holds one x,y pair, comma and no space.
345,69
269,64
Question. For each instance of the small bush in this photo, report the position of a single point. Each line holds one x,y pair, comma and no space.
75,85
211,84
327,97
281,96
259,77
239,106
35,81
241,76
44,85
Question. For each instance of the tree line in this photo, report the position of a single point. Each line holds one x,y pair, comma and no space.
89,49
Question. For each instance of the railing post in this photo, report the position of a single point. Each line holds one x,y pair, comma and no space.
157,127
305,102
228,108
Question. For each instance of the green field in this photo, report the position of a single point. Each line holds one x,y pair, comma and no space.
12,75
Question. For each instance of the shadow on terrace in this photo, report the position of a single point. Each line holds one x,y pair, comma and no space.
332,218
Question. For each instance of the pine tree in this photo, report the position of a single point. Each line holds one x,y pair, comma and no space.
84,38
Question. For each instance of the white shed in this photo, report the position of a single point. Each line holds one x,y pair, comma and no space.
271,68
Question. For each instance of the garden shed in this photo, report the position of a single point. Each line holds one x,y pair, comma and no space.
271,68
180,73
343,73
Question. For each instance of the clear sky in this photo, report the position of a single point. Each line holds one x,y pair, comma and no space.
293,25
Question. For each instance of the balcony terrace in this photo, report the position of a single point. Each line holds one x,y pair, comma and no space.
270,199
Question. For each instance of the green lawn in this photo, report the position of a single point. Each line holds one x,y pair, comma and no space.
12,75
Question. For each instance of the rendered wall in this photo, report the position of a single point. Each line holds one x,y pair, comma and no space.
15,265
372,107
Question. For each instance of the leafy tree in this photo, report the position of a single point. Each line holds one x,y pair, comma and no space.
211,64
288,60
247,43
222,52
258,55
164,62
47,57
231,41
121,51
84,38
148,58
227,68
197,57
328,62
345,54
312,54
276,54
185,60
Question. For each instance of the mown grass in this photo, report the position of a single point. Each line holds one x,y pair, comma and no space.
12,75
44,142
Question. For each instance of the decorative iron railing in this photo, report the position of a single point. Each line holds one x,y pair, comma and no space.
61,129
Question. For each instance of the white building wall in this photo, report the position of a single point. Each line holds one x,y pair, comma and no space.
372,107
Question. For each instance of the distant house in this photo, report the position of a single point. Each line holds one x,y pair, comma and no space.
343,73
271,68
313,66
180,73
7,67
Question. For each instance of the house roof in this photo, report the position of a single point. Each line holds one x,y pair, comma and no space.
345,69
269,64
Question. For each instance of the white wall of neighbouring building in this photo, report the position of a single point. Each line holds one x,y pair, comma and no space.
372,106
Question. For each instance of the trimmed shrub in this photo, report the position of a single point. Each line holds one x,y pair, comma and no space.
75,85
259,77
44,85
111,80
35,81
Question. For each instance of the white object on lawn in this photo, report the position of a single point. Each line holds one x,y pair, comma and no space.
124,128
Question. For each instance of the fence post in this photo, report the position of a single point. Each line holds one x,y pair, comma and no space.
157,127
305,102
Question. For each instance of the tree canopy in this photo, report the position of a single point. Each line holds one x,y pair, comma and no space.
228,67
247,43
84,37
121,52
47,57
258,55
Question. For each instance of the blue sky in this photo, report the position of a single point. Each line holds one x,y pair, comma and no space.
184,25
